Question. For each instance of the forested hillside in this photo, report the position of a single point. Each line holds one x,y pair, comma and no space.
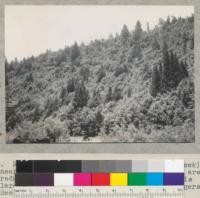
135,86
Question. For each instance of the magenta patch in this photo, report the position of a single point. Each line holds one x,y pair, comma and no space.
82,179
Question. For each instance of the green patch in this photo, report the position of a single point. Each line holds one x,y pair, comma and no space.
137,179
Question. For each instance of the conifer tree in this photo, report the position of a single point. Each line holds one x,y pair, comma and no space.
36,114
165,74
71,85
165,53
129,92
175,72
136,50
125,34
192,42
183,69
161,74
75,52
67,51
100,74
109,95
138,31
63,94
172,64
154,89
184,43
29,78
168,20
81,96
174,20
96,99
172,70
155,44
117,94
98,120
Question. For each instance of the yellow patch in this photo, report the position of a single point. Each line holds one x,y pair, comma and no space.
118,179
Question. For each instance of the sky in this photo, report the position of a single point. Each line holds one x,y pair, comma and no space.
31,30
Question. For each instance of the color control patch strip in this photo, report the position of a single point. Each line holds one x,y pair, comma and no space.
100,173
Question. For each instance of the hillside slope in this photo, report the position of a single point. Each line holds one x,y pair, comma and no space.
133,87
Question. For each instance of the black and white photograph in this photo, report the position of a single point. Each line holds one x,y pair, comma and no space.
95,74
